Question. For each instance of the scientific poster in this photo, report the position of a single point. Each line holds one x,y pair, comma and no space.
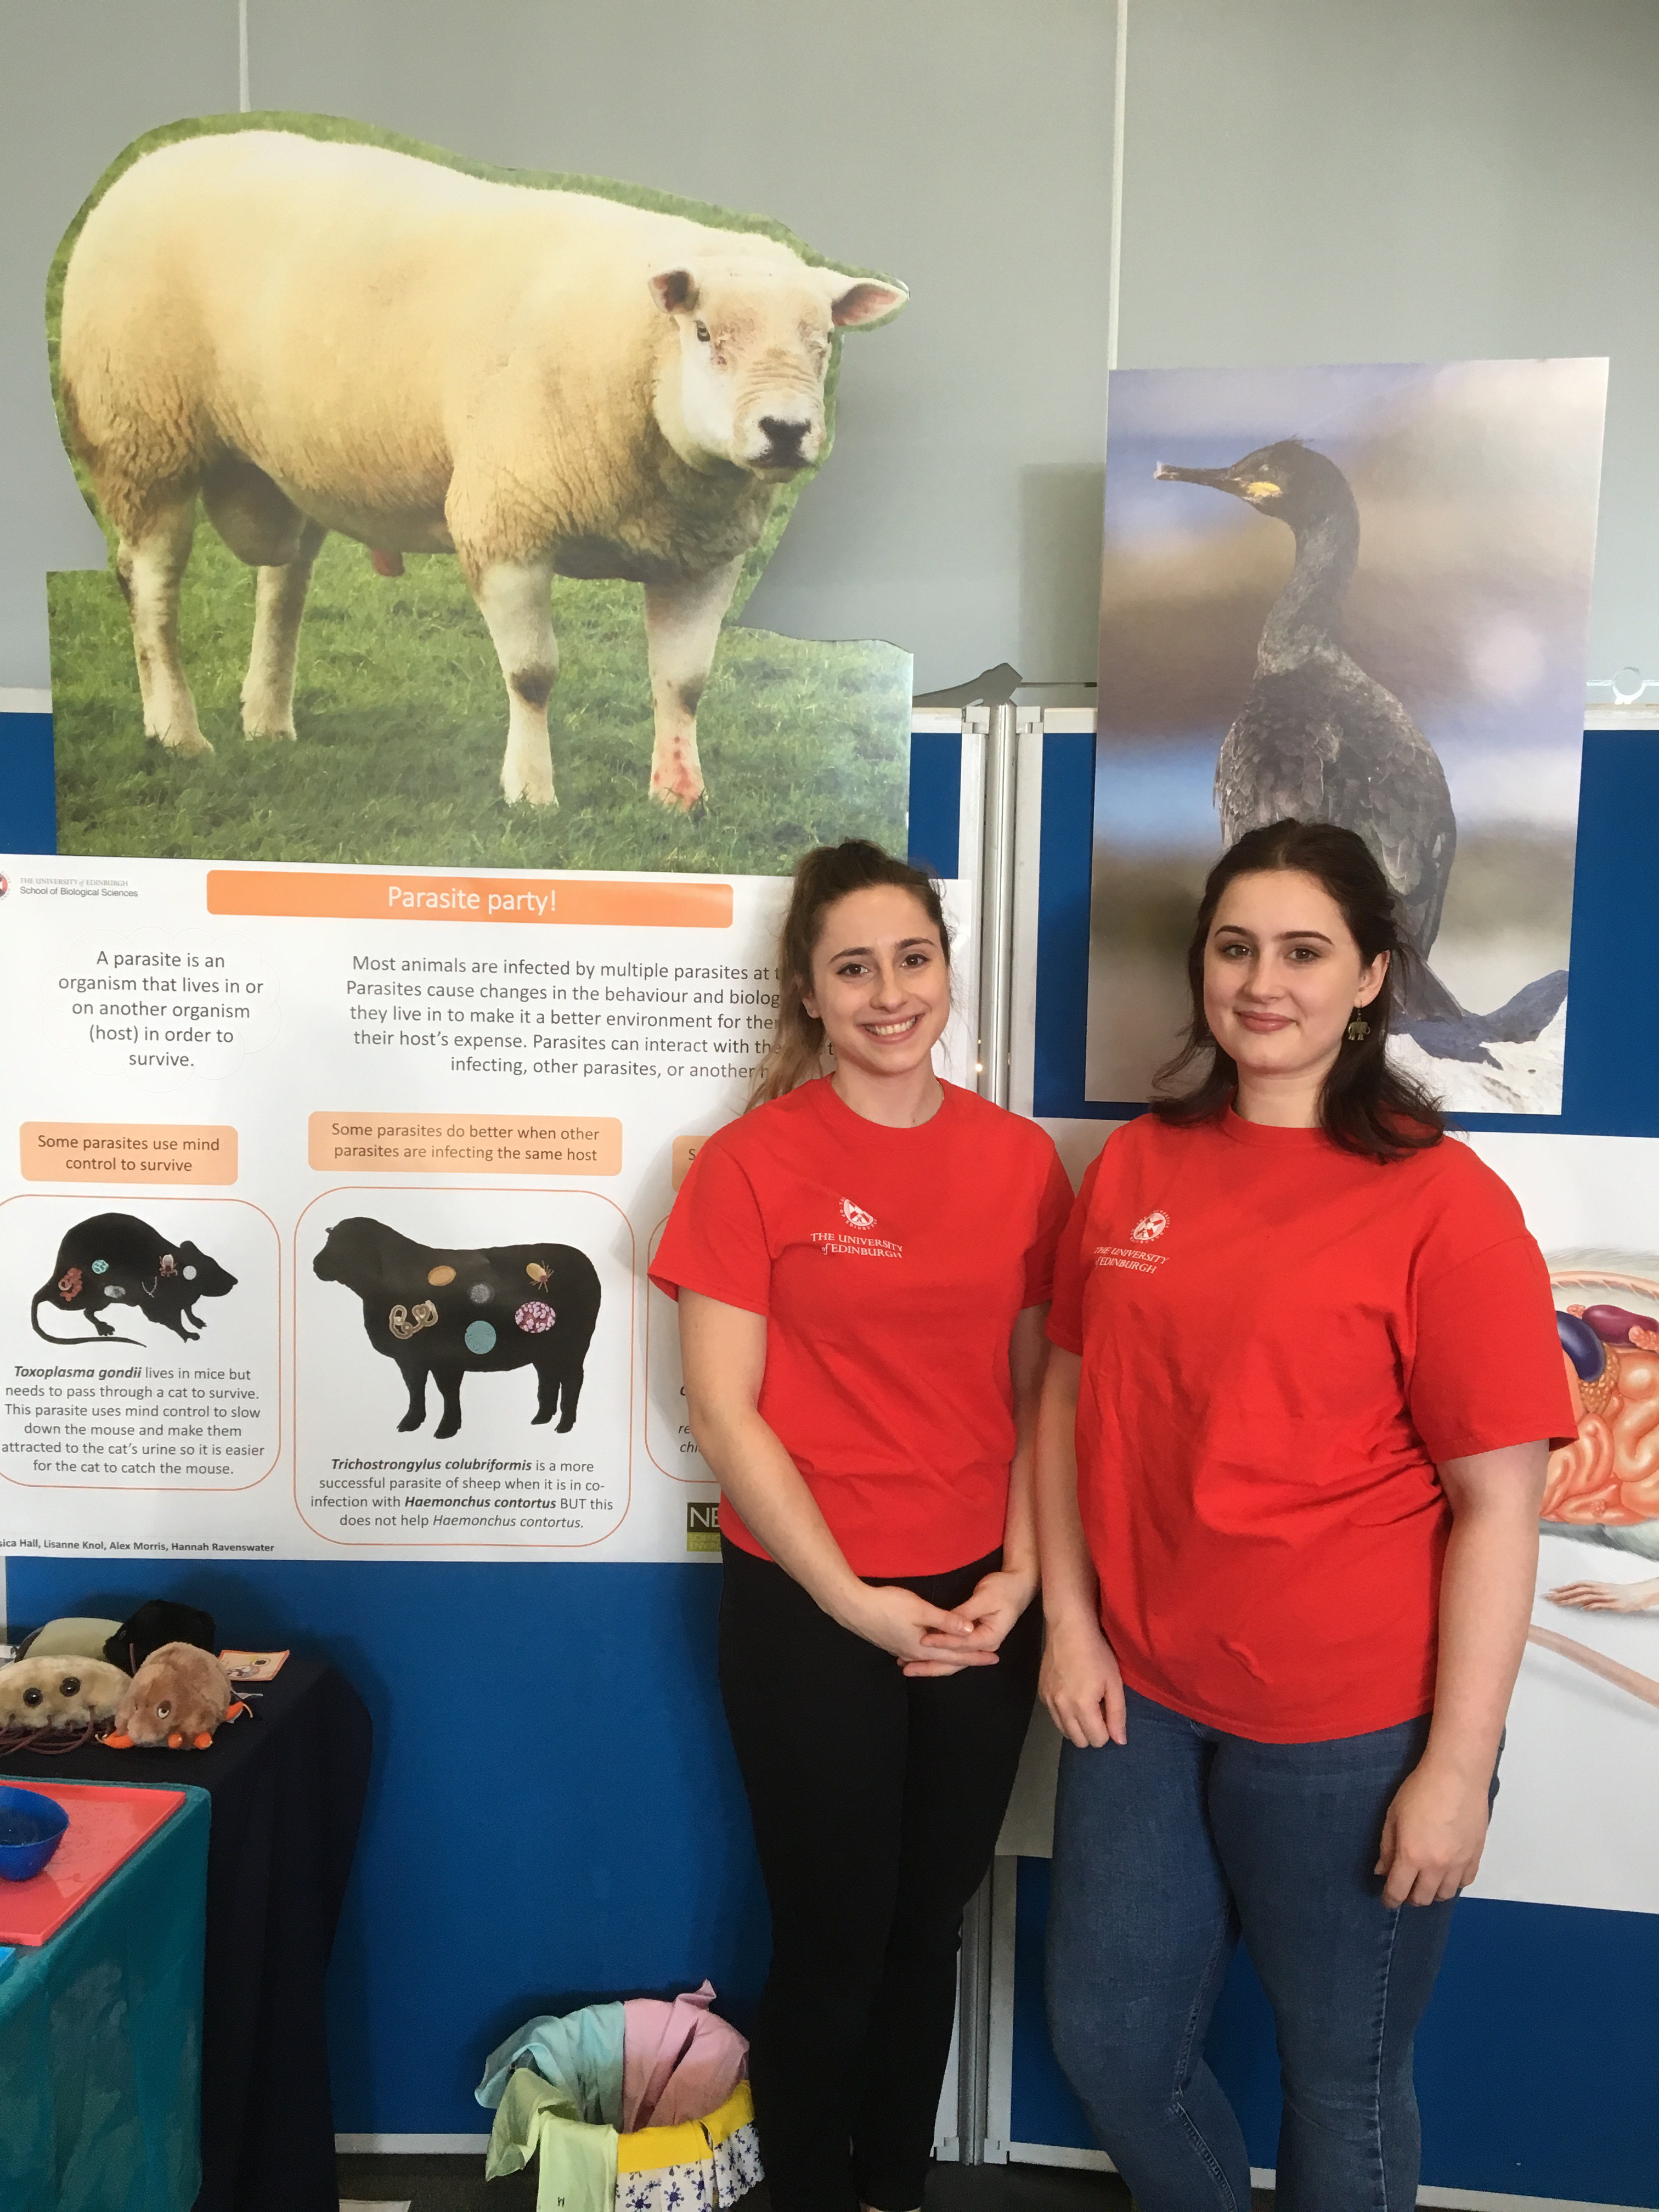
326,1226
1579,1801
1354,594
431,492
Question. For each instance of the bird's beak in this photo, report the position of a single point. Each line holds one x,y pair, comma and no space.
1217,479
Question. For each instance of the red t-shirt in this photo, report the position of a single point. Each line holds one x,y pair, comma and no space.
1279,1342
890,1265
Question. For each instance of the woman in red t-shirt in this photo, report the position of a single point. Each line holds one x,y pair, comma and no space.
1290,1462
863,1263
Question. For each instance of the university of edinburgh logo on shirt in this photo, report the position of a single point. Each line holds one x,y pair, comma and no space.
1134,1258
849,1244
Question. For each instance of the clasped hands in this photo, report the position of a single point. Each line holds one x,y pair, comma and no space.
928,1641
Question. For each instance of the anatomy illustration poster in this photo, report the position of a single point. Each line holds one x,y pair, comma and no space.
1354,594
1579,1799
431,491
325,1225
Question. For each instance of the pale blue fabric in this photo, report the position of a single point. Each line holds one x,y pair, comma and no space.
580,2054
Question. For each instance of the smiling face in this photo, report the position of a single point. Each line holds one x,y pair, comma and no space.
881,982
1282,976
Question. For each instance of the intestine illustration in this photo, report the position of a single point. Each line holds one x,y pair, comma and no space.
1603,1487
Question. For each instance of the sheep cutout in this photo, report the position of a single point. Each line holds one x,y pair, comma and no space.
309,336
475,1317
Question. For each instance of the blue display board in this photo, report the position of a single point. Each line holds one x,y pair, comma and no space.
555,1814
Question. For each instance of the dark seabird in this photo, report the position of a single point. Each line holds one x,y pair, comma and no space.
1317,740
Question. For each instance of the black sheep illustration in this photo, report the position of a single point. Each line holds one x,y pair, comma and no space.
116,1259
450,1313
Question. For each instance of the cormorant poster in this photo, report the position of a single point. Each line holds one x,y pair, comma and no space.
1358,594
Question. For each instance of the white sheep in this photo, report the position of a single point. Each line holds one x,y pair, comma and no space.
315,337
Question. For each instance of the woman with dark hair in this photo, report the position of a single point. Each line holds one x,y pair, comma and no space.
1290,1458
863,1264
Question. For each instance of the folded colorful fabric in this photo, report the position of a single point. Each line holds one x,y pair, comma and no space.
680,2061
578,2053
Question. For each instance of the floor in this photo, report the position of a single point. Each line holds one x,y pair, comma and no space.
457,2184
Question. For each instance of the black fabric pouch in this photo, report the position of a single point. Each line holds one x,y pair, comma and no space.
159,1620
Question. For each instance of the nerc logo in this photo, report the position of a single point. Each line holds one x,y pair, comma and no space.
855,1217
1150,1228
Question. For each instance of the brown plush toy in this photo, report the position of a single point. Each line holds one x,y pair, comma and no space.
180,1694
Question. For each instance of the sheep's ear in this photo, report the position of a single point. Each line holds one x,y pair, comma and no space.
674,290
857,301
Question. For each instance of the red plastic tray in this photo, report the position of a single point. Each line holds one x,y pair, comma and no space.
106,1826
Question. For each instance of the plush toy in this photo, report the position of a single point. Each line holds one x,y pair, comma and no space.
180,1694
58,1695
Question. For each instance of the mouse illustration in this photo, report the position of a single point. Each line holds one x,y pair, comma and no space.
180,1694
116,1259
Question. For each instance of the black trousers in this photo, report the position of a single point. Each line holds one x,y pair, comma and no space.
876,1802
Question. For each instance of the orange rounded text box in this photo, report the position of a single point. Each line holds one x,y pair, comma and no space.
468,1144
127,1151
661,903
684,1151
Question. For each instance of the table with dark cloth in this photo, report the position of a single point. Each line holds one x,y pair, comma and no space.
288,1786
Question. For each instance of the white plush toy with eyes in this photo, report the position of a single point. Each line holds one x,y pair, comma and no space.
59,1692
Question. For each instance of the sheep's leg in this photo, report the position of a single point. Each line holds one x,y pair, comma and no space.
414,1373
448,1380
514,598
682,629
570,1392
278,604
149,569
547,1388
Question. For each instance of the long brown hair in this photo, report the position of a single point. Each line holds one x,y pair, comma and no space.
825,874
1366,1104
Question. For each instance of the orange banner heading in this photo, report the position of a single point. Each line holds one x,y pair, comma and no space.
128,1152
468,1144
663,903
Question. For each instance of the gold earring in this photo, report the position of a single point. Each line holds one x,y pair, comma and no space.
1358,1028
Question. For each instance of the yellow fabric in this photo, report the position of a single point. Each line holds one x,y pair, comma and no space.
736,2112
646,2148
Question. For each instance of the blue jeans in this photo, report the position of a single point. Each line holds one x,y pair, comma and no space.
1165,1849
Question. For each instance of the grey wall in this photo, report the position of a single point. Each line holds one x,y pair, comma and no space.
1411,181
903,134
1306,179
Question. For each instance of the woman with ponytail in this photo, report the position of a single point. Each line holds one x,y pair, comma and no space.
863,1266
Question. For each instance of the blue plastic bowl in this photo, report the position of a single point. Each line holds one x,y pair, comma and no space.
31,1828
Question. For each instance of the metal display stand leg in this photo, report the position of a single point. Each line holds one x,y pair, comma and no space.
996,964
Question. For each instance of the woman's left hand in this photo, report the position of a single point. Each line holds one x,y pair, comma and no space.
995,1604
1433,1836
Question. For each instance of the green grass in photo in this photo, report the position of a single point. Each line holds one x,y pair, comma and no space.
401,719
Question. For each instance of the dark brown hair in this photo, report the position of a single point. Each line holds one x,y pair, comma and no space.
827,874
1366,1106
